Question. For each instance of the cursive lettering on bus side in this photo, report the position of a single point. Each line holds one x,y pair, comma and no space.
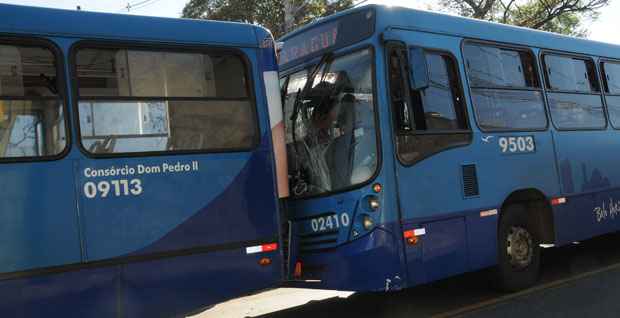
607,210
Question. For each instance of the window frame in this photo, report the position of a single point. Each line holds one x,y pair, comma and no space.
396,133
309,64
172,48
463,113
605,86
539,89
61,79
548,89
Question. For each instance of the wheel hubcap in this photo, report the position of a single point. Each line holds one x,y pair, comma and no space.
519,247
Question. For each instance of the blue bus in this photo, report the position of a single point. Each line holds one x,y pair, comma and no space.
422,146
138,173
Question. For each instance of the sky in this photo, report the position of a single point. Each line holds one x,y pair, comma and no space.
604,29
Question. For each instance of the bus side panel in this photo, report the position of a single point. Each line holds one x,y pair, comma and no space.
116,226
243,211
590,181
441,252
82,293
217,199
177,286
481,239
433,190
38,224
241,214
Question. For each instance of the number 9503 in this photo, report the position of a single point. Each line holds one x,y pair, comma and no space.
521,144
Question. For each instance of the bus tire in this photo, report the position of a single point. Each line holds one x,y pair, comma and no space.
518,249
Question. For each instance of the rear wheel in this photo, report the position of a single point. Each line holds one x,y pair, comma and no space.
518,249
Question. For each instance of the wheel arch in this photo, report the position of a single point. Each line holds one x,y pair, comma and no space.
538,207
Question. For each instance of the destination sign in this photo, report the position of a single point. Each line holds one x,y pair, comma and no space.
326,36
315,40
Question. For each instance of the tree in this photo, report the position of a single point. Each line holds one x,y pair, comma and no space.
279,16
560,16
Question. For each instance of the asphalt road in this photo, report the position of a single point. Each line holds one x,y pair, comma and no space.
577,281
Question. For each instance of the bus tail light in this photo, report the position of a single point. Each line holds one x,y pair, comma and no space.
558,201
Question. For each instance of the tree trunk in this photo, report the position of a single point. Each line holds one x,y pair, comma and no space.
289,15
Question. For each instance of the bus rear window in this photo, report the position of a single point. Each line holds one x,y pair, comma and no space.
32,122
163,101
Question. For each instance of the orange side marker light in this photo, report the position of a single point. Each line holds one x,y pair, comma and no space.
410,237
377,187
297,272
413,236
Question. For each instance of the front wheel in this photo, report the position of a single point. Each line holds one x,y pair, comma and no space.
518,250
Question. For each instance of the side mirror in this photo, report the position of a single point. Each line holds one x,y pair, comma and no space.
418,69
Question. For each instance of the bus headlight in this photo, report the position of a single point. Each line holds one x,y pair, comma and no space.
373,203
368,223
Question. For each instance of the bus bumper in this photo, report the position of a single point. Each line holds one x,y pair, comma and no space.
368,263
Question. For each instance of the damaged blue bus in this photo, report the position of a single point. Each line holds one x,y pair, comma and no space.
138,166
421,146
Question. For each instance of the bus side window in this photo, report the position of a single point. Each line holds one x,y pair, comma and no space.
430,120
574,93
611,79
32,123
505,90
439,107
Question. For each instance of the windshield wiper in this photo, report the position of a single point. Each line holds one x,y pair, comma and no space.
297,108
300,92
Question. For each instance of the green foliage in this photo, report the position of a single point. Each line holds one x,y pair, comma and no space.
267,13
560,16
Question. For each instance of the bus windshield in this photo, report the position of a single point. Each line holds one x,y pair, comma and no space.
330,127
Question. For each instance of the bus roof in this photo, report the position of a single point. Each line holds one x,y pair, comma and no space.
426,21
15,19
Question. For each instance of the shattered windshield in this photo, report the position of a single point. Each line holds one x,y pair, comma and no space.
330,131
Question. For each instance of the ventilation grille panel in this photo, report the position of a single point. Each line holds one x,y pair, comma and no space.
470,181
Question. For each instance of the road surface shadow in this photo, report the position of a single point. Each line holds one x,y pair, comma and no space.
455,293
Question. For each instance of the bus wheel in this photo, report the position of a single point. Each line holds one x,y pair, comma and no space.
518,249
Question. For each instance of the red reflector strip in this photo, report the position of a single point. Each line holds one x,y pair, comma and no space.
413,233
261,248
269,247
558,201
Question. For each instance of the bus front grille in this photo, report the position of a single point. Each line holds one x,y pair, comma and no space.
318,241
